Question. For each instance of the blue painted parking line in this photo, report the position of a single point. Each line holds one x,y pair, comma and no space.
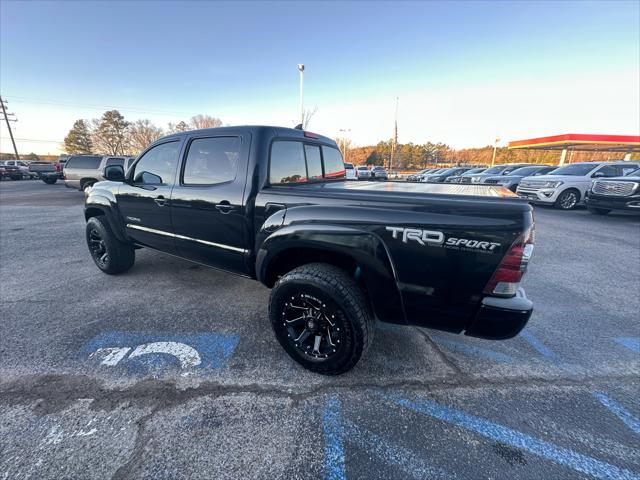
514,438
472,350
142,350
333,441
632,343
337,430
619,411
540,347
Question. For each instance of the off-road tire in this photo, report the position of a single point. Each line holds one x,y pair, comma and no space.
120,256
335,288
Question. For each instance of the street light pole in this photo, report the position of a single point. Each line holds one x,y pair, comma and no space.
301,70
495,147
344,141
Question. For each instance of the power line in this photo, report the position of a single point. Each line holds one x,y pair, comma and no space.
31,140
41,101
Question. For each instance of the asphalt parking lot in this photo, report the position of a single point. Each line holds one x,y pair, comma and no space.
83,395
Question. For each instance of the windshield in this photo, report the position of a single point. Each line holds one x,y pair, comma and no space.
497,169
577,169
448,171
525,171
633,173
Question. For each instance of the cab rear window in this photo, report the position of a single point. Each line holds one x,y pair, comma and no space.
295,162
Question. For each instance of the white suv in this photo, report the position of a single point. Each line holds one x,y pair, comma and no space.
565,187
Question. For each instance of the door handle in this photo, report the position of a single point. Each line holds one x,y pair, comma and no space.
160,201
224,207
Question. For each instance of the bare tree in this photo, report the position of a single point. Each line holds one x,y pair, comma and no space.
142,133
204,121
307,116
181,126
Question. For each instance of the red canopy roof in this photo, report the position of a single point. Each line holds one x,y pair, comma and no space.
582,142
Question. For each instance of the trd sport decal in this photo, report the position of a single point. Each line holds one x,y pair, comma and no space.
436,238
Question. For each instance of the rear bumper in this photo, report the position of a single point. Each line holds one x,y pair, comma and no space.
501,318
630,203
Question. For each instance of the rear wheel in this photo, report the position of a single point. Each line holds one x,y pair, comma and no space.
49,180
598,211
109,254
568,199
321,318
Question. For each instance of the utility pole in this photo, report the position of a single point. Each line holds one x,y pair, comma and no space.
6,118
394,143
301,70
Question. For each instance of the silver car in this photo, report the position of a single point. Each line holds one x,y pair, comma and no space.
363,173
82,171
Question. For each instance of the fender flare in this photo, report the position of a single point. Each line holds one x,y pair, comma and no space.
365,248
99,203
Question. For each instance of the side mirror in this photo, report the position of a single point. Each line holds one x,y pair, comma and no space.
598,174
115,173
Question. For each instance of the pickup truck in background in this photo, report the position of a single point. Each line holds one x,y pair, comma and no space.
48,172
273,204
16,169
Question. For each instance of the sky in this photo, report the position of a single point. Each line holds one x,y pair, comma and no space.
464,72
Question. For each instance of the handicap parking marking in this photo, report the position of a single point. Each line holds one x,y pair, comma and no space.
516,439
468,349
619,411
140,350
337,430
540,347
632,343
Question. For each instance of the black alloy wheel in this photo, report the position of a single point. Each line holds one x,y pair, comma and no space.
312,327
98,248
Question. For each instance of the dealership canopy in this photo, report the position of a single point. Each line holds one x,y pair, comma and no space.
581,143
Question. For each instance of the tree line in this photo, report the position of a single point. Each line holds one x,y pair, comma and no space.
413,156
112,134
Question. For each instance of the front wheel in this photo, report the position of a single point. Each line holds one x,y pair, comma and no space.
321,318
568,199
109,254
598,211
49,180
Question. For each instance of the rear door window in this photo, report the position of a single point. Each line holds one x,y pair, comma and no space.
211,161
91,162
287,163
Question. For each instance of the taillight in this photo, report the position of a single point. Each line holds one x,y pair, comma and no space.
506,279
57,166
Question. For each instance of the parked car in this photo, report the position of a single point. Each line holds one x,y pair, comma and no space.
468,173
379,173
3,172
493,171
567,186
82,171
363,173
351,171
16,169
48,172
420,177
335,257
512,180
414,176
441,177
615,193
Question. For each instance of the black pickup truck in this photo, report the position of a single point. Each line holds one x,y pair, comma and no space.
272,204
